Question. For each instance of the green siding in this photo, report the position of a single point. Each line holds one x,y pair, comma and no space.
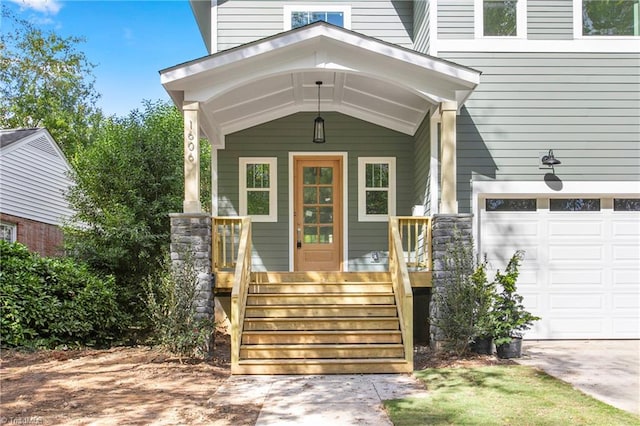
293,134
244,21
455,19
422,155
584,106
549,19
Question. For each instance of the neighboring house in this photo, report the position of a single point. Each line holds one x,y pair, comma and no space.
430,108
34,174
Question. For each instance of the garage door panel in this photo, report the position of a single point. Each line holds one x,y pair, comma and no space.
626,277
626,229
571,277
575,253
630,301
576,327
626,252
626,327
579,230
572,302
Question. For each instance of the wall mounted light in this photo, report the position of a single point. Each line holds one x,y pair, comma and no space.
318,124
549,159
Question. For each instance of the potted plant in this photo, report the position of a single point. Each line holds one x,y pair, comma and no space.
484,290
510,319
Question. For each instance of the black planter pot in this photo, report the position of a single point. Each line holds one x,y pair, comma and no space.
483,346
512,349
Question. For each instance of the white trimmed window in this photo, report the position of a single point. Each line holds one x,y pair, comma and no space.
258,188
8,232
606,18
376,188
501,18
297,15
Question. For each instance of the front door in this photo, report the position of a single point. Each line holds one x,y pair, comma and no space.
318,213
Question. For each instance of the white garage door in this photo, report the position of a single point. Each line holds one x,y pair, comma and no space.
581,271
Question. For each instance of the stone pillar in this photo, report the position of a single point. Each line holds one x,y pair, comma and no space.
191,202
191,236
448,167
444,228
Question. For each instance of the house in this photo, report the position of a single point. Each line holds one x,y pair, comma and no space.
519,119
34,175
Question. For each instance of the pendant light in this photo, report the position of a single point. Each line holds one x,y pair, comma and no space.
318,124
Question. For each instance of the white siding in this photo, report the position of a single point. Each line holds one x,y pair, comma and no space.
34,179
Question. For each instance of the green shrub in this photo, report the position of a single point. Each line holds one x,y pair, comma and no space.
48,302
171,305
463,303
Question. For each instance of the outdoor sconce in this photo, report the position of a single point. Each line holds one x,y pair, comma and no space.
549,160
318,124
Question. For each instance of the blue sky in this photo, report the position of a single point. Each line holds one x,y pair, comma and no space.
129,41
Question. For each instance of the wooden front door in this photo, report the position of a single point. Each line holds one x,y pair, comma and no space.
318,213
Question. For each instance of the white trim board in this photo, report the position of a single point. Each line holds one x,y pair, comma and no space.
345,201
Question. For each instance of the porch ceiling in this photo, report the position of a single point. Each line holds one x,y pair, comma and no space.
274,77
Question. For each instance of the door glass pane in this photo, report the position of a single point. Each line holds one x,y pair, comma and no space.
626,204
326,234
511,204
310,215
257,202
310,175
326,175
310,195
377,202
326,195
326,215
311,234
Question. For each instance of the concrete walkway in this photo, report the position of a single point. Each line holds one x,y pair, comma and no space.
608,370
317,400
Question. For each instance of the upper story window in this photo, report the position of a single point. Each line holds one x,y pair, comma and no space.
500,18
298,15
610,17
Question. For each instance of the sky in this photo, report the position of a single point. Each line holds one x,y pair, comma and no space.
128,41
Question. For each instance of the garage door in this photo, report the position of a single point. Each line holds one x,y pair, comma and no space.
581,271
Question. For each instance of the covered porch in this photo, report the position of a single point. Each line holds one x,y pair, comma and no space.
387,110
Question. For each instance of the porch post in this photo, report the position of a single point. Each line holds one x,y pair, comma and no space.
448,197
191,202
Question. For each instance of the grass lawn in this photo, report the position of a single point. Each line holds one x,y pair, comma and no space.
501,395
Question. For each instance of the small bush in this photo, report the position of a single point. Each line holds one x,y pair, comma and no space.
48,302
463,303
171,301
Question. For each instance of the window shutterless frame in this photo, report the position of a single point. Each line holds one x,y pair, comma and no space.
376,180
256,189
327,7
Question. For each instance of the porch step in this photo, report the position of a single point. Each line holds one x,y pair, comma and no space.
320,299
321,337
322,366
312,324
321,323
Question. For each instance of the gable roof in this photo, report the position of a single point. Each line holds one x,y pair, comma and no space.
35,176
273,77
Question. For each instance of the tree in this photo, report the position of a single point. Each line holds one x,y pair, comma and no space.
45,81
128,181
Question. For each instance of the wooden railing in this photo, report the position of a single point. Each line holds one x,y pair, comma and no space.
401,287
242,276
225,240
415,235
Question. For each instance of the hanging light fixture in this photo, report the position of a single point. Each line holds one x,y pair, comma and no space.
318,124
550,160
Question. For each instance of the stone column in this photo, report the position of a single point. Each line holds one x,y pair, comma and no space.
444,228
191,237
448,167
191,202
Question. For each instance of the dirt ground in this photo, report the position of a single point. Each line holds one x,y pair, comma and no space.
134,386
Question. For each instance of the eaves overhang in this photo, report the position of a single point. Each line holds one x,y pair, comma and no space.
274,77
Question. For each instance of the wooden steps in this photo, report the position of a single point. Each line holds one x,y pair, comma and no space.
321,323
